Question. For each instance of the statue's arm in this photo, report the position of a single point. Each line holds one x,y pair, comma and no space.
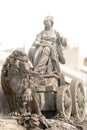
61,41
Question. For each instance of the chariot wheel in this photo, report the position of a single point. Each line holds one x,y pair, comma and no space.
78,99
64,101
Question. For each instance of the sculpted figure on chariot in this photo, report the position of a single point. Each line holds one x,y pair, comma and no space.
46,51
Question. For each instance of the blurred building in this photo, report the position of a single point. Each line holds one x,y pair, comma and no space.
72,57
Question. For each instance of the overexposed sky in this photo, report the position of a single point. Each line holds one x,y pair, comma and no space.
22,20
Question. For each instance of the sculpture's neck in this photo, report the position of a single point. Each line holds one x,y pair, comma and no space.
48,28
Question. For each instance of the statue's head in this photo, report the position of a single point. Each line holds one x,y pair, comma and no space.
15,71
48,21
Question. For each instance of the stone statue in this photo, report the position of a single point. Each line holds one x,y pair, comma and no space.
46,51
17,84
31,95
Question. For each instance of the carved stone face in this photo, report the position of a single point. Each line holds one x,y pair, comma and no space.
48,22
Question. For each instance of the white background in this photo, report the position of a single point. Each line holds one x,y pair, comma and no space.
22,20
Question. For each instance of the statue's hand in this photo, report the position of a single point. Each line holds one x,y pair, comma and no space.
64,42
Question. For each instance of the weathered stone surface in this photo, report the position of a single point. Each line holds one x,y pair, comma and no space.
4,107
37,122
15,77
50,84
40,123
10,124
16,70
46,100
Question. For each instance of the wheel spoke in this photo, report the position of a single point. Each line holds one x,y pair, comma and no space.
78,99
64,102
